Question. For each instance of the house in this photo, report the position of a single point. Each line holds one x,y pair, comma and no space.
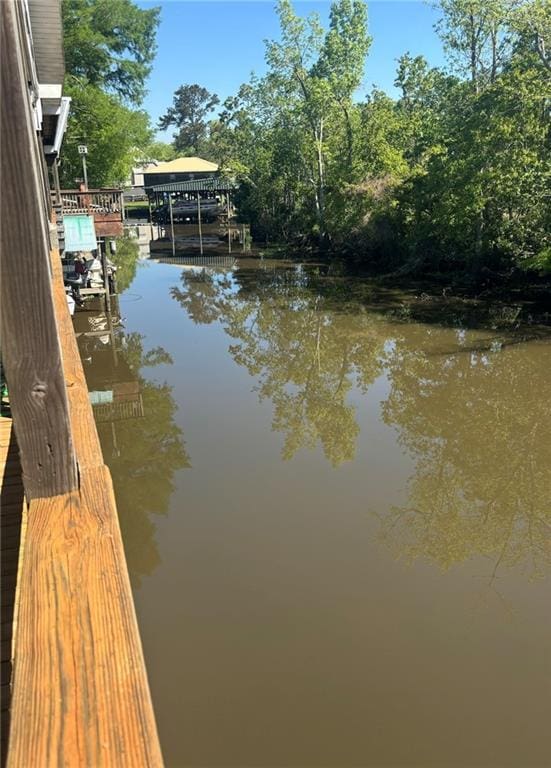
46,75
136,177
181,169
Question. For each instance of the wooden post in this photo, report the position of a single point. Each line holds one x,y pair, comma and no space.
199,222
31,348
102,253
150,217
171,224
229,224
157,209
57,187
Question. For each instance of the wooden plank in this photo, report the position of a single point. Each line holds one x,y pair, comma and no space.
80,693
80,689
92,291
30,346
85,434
11,528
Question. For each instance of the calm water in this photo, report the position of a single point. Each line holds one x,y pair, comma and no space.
337,521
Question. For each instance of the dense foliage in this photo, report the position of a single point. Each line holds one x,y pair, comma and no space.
453,175
109,48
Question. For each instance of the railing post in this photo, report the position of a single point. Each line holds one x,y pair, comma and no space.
30,341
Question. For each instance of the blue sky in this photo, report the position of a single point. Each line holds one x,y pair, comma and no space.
218,43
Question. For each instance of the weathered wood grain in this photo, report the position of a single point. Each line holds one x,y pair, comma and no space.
12,505
80,695
85,435
80,690
30,345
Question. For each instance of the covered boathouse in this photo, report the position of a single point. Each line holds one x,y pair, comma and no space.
181,169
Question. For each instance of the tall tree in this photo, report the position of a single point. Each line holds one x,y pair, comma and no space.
109,48
474,33
113,133
191,106
110,44
320,74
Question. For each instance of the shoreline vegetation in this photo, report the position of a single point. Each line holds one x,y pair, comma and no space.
446,185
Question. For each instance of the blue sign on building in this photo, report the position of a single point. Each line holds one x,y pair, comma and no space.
80,233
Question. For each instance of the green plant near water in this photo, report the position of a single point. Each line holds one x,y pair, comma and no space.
453,175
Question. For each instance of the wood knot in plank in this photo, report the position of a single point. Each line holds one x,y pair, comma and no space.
39,391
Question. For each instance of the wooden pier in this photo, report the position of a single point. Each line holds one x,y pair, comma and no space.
74,683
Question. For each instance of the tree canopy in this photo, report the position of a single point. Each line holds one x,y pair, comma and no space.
109,48
450,176
191,106
110,44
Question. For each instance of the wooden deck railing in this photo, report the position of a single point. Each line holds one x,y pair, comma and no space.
105,205
79,689
94,200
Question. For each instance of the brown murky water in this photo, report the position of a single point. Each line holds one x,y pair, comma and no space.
337,519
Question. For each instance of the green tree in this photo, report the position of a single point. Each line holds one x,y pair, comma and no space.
109,47
450,177
191,106
112,132
158,150
110,44
532,20
319,74
474,32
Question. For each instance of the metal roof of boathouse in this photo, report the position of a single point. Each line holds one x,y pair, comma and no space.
207,184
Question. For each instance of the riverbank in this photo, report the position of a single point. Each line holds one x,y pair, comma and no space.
501,301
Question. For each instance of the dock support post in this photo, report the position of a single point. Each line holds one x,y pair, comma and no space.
103,258
199,222
150,217
171,223
229,224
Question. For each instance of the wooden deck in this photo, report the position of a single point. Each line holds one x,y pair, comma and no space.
105,205
80,694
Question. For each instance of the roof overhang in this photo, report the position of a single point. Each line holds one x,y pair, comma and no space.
208,184
47,39
62,113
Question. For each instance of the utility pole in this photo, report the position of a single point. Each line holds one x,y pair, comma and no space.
83,150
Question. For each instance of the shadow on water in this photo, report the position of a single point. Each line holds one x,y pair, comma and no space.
471,408
135,417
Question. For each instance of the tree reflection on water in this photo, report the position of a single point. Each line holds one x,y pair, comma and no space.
473,412
144,452
305,357
477,421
